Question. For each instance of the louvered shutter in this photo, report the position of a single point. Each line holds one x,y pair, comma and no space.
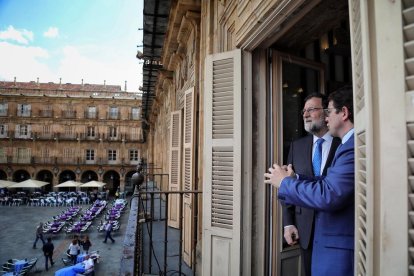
408,16
175,169
29,131
17,133
19,110
222,164
363,137
188,175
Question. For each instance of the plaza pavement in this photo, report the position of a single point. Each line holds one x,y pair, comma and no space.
17,234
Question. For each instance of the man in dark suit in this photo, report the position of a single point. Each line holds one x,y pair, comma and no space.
331,196
298,221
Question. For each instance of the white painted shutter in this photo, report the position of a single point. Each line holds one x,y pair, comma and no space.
17,133
188,175
408,16
364,141
222,164
175,169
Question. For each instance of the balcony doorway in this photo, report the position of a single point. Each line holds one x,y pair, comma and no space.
312,54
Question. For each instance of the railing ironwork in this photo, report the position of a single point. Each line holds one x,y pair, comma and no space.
159,247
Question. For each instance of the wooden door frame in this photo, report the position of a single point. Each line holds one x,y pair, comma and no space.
277,140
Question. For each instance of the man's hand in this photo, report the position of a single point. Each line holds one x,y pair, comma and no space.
277,174
291,234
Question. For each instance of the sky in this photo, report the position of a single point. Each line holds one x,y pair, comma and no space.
93,40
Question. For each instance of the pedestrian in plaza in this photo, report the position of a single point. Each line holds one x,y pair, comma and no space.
108,230
39,234
48,252
74,250
86,244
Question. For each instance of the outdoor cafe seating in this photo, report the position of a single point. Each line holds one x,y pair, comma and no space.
18,266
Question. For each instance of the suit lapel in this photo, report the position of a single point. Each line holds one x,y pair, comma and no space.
335,143
308,153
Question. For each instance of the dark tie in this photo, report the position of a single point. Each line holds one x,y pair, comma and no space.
317,157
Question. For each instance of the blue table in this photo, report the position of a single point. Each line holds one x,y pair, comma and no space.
80,258
70,270
18,265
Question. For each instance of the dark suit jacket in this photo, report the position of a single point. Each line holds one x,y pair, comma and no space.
300,156
332,197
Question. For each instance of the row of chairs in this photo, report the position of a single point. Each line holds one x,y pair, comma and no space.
57,201
10,266
75,228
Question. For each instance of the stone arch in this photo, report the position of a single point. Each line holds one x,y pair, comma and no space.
46,176
89,176
21,175
67,175
112,180
3,175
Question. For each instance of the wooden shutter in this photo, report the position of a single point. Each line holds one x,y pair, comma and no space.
175,169
222,164
17,133
188,175
408,21
363,137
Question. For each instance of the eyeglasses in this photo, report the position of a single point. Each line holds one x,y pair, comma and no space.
310,110
329,110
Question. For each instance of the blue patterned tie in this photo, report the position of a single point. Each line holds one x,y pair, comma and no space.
317,157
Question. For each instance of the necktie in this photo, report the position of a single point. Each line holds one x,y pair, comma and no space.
317,157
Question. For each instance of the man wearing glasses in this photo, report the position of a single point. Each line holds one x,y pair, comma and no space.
311,156
331,196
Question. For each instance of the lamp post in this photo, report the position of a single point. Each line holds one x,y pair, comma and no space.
137,178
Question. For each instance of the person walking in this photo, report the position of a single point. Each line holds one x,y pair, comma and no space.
39,235
48,252
86,244
108,230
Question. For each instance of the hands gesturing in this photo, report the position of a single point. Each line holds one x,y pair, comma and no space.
277,174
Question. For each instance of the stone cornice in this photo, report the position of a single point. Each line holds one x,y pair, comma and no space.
262,22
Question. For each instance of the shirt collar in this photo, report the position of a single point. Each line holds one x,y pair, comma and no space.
348,135
327,137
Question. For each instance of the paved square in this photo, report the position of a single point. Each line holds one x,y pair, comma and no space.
17,234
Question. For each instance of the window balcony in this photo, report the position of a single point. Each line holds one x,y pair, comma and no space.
68,114
134,116
67,160
3,112
113,116
44,136
43,160
89,136
67,136
91,115
26,113
46,113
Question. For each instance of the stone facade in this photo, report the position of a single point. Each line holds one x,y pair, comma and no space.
58,132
